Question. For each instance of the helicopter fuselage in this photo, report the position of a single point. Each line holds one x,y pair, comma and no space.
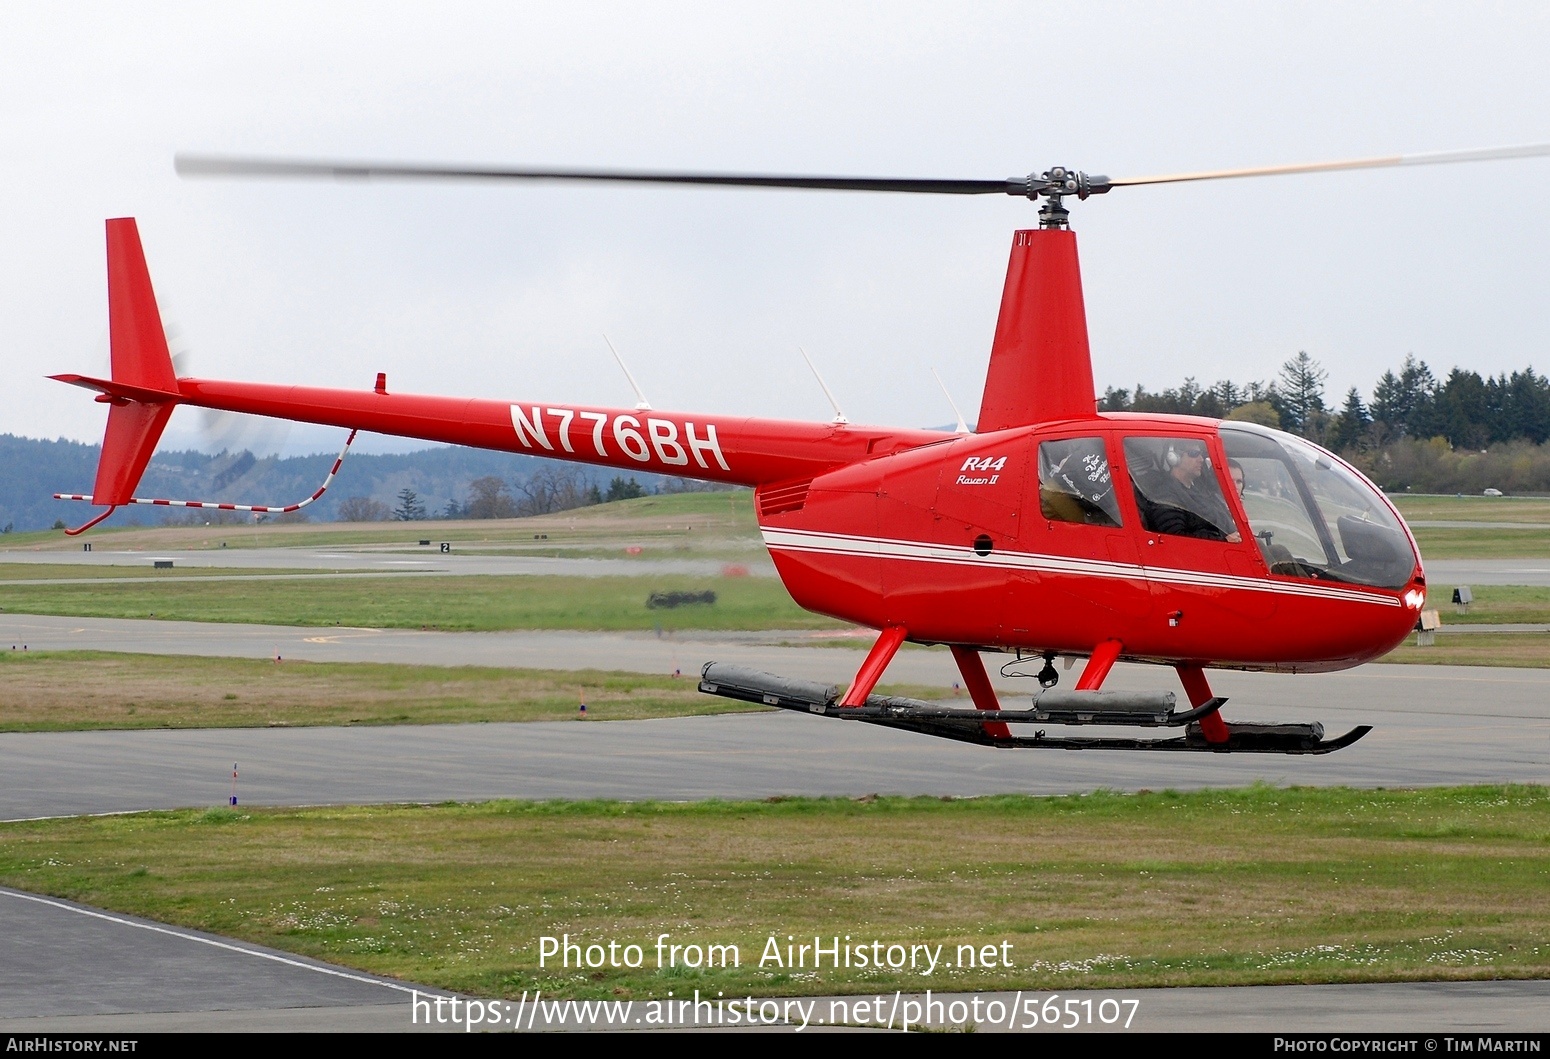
957,539
957,542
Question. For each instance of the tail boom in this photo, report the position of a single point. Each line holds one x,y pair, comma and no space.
733,449
144,389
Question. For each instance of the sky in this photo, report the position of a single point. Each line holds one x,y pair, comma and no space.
507,292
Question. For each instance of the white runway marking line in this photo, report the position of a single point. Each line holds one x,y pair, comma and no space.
213,943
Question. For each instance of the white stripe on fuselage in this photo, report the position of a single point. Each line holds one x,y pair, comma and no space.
920,552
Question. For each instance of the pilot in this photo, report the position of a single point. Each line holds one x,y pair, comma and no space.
1186,507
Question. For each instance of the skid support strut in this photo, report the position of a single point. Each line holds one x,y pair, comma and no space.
974,678
1098,665
1211,725
877,660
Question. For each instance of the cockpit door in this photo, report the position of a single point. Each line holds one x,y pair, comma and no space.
1191,538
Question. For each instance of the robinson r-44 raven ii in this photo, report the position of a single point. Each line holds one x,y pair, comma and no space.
1051,530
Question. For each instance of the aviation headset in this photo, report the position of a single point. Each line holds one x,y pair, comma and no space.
1172,458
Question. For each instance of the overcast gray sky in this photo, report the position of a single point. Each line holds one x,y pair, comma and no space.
507,291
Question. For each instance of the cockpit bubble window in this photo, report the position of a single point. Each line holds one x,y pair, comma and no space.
1074,483
1176,489
1313,516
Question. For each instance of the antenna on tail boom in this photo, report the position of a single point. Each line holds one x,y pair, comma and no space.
962,427
839,416
641,404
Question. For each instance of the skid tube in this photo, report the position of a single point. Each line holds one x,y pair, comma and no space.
968,726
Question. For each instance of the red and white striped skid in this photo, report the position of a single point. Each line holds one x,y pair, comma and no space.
262,509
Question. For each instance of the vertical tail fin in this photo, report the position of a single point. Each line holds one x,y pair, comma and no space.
140,358
131,437
144,388
1040,365
140,354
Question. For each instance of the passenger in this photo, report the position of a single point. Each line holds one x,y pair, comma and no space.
1235,469
1083,477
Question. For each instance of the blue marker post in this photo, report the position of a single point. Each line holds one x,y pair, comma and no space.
582,712
234,784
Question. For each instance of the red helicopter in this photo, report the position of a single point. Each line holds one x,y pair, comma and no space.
1053,530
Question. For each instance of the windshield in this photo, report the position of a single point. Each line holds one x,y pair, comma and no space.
1313,516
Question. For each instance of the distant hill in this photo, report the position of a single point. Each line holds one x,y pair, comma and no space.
32,470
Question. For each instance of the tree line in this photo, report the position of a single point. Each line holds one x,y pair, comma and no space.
32,470
1462,433
549,489
1465,409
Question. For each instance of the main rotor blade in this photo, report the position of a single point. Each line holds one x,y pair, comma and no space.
1489,154
223,165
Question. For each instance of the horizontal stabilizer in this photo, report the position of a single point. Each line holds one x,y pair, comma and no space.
121,391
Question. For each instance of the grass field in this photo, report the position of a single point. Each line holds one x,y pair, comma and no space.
1502,541
144,571
78,690
522,602
1474,543
1494,605
1474,508
669,519
1226,887
1527,649
461,603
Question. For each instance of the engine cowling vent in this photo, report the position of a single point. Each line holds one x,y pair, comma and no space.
783,497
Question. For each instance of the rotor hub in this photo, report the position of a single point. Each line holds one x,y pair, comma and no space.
1054,184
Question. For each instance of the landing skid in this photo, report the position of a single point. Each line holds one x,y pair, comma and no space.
1068,708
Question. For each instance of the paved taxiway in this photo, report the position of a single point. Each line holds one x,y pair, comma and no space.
1434,725
72,968
638,652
